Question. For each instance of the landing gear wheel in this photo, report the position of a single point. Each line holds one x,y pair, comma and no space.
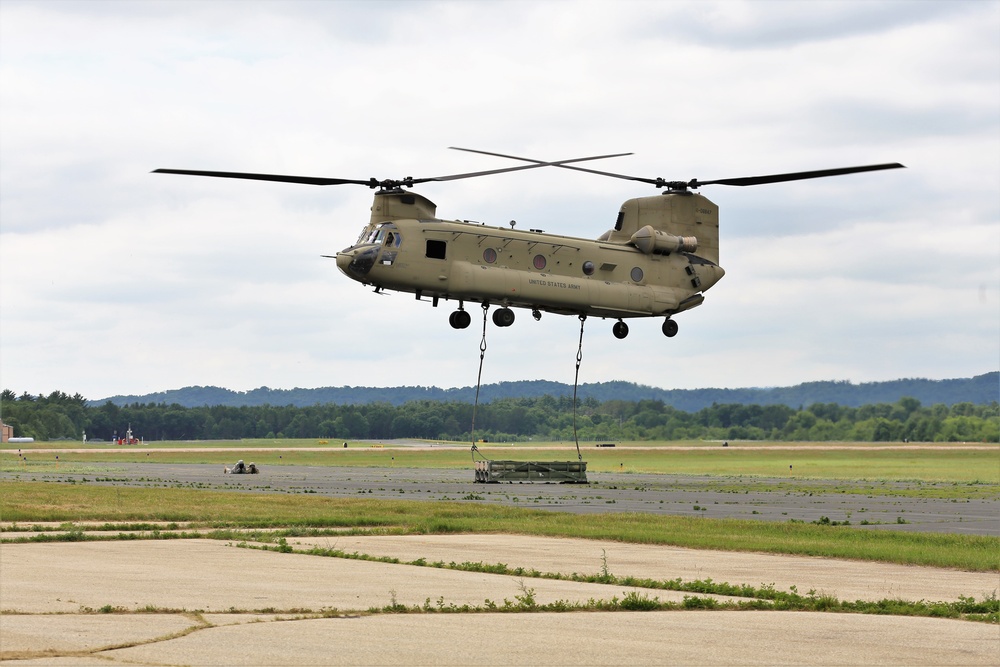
503,317
620,330
459,319
669,328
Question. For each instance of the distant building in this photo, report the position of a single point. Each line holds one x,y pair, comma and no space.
6,432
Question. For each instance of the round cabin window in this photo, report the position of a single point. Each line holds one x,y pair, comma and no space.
539,262
588,268
636,275
489,255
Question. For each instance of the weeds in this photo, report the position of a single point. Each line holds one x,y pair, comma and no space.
526,600
605,573
765,596
968,552
633,601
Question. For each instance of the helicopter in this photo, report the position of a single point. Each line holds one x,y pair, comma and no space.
658,260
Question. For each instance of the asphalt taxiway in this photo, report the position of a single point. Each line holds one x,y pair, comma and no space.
872,505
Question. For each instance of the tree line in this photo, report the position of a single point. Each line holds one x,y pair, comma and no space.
548,418
978,389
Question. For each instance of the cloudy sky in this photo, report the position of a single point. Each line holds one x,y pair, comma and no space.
115,281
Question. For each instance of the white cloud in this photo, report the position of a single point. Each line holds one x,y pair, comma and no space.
114,280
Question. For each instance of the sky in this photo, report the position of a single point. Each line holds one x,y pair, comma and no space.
115,281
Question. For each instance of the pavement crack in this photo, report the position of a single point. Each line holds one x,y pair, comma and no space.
198,623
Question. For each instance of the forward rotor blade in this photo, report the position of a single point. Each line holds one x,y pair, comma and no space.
564,165
536,164
307,180
373,182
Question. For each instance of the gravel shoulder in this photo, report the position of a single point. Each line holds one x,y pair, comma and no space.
895,506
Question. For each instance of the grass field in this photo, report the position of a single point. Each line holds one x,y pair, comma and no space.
28,502
839,461
313,443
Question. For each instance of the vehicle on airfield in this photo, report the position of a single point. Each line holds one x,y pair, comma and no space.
127,439
241,469
658,260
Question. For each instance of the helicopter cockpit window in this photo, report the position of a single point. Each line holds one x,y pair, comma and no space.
385,232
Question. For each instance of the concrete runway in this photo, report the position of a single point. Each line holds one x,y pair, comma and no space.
207,602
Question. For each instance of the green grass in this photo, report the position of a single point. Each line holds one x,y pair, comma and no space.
797,461
270,443
27,502
929,465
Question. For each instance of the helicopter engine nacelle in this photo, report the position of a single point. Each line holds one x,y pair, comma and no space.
650,240
399,205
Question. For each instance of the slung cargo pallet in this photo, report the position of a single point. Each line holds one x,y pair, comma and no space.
568,472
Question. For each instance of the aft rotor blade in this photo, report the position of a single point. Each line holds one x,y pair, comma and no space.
796,176
695,183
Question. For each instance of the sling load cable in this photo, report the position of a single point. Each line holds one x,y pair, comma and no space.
576,383
479,383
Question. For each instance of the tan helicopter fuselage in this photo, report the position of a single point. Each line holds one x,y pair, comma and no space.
658,260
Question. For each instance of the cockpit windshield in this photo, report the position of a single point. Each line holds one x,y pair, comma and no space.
385,231
378,234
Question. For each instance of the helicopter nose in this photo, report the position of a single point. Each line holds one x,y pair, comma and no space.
357,263
344,260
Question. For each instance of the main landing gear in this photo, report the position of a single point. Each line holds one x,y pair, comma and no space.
620,330
460,319
503,317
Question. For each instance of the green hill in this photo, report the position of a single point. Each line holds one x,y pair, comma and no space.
981,390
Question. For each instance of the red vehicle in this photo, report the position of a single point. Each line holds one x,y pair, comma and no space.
129,439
